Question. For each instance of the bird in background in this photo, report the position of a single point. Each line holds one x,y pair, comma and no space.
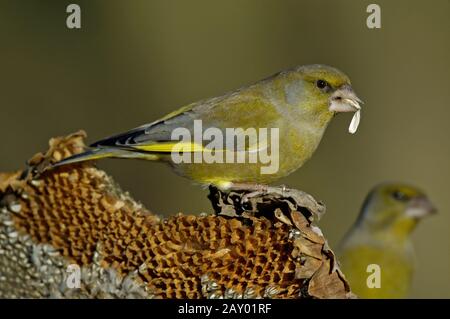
300,102
381,236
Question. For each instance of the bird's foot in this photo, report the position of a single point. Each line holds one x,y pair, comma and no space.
257,199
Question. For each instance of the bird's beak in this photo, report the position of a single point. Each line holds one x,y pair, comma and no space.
345,99
420,207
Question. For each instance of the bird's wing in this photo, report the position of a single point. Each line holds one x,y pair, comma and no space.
241,110
158,131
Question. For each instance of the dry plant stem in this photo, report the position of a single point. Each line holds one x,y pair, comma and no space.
257,244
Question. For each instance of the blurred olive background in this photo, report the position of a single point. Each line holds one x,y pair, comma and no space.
134,61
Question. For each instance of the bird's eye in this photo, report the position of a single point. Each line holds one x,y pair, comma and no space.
322,84
400,196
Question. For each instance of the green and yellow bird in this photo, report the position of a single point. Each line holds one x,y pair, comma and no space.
299,102
379,243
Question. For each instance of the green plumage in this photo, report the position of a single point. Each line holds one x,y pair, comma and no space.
292,101
381,237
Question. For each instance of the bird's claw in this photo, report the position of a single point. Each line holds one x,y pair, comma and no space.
251,198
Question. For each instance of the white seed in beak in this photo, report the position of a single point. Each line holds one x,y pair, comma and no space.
353,103
345,100
353,127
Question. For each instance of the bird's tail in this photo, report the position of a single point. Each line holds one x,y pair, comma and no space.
92,154
100,152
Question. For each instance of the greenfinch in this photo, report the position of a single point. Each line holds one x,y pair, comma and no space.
299,103
379,243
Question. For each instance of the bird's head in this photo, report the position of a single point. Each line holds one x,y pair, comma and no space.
328,91
394,208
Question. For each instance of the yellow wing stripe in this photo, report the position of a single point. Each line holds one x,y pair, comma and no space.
170,147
